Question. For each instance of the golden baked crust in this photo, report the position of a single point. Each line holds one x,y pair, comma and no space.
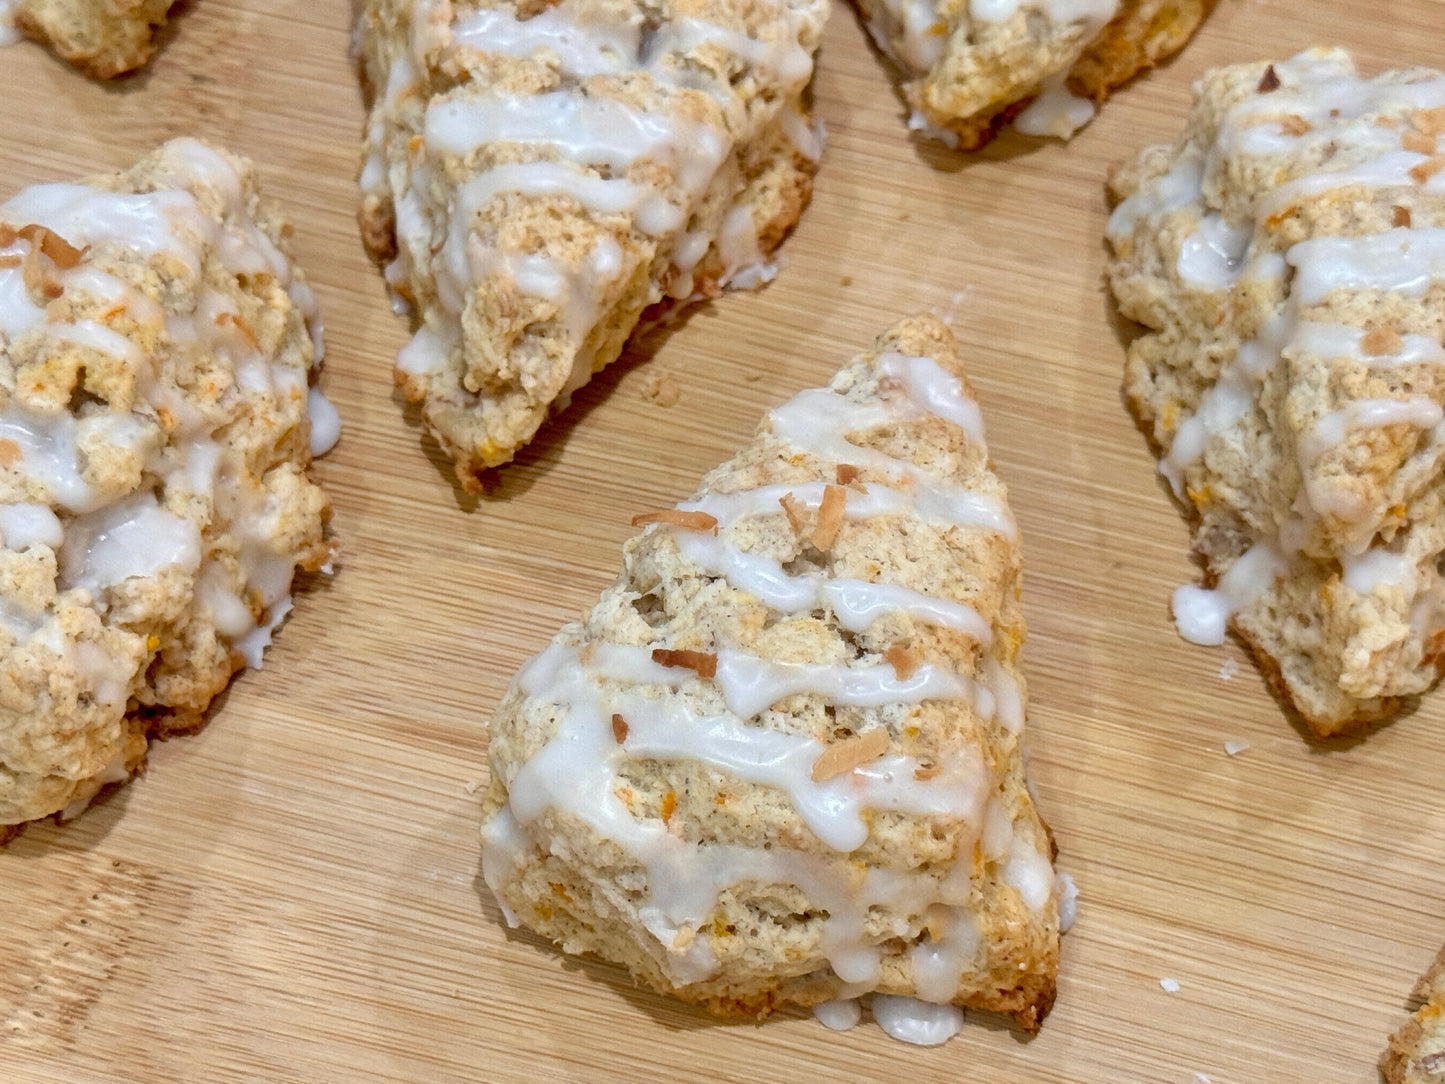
155,350
538,176
967,72
1283,258
781,759
103,38
1416,1054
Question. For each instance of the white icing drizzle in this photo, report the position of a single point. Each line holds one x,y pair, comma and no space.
1202,616
584,687
921,1023
839,1015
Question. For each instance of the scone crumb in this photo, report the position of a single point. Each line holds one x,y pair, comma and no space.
830,518
1427,169
692,521
619,728
701,663
1269,80
903,661
9,452
1381,340
842,757
1401,216
664,390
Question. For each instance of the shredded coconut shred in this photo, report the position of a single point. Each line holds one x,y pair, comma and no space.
596,685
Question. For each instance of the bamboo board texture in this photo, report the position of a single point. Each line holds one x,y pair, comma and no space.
293,894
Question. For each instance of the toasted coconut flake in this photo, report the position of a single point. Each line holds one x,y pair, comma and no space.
1294,125
1381,340
8,234
669,806
842,757
1429,121
1386,122
927,771
60,251
9,452
846,473
1268,81
903,661
1427,169
619,728
794,510
830,518
1418,142
702,663
1400,215
10,261
692,521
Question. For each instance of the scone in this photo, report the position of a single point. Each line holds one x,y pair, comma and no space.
781,759
970,66
156,347
1286,260
1416,1054
103,38
538,176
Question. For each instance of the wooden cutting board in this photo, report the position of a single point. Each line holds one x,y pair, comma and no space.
293,894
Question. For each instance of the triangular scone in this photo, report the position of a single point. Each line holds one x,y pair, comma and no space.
781,759
969,68
1416,1054
156,347
103,38
539,175
1287,257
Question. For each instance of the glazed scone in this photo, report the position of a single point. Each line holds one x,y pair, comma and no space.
970,66
1287,258
103,38
156,347
1416,1054
537,176
781,759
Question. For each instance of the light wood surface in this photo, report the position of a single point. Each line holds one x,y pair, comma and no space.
293,894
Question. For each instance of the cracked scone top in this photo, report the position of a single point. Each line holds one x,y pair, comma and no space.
1287,258
155,352
780,760
537,176
103,38
970,66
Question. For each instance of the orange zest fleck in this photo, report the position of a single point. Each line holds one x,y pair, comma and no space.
1427,169
669,806
619,728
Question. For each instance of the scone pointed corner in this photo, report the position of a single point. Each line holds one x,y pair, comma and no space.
780,760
